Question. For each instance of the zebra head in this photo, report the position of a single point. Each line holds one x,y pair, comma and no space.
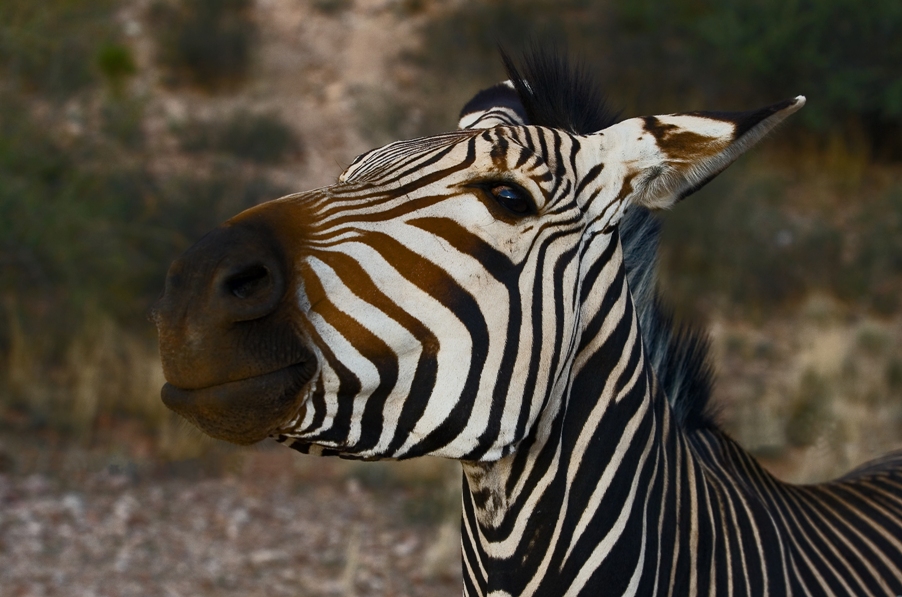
433,300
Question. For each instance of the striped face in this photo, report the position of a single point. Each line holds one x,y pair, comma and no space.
438,301
428,303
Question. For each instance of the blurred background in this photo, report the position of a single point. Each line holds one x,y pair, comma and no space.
128,128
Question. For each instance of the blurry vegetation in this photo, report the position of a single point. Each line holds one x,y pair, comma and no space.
844,55
116,63
810,410
459,53
409,8
745,243
381,118
658,55
894,375
261,138
432,486
332,7
829,401
85,218
207,43
121,119
873,341
87,226
87,235
55,47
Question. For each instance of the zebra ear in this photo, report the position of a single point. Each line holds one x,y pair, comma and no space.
677,154
496,106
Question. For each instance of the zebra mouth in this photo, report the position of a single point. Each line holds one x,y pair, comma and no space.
244,411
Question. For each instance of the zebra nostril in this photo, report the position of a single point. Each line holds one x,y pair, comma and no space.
249,291
248,282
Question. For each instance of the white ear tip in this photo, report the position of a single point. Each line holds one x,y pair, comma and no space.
791,106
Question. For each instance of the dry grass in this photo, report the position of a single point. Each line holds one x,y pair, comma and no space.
814,393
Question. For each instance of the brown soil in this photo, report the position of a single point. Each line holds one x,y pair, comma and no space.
270,529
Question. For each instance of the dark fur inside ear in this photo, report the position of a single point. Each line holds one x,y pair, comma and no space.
558,94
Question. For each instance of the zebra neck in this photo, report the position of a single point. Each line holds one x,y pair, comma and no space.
581,502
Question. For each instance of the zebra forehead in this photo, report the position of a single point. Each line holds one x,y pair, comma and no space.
370,164
423,156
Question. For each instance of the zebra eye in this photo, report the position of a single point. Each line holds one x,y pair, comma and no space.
512,198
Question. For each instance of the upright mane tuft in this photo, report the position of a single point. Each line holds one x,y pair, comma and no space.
557,94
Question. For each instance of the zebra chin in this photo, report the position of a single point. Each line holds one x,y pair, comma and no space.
245,411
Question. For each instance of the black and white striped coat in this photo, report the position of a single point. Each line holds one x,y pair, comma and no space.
466,296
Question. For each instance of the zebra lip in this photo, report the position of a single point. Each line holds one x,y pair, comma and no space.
245,411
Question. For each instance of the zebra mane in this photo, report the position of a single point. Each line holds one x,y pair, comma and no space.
555,93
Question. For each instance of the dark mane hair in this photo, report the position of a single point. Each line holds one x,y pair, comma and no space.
558,94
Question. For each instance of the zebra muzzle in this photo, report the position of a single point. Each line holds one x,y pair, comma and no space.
244,411
234,355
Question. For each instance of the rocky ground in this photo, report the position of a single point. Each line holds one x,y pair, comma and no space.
315,532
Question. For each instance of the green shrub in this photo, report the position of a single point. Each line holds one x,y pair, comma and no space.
121,119
261,138
51,47
659,55
87,233
83,223
810,411
875,267
742,241
116,63
207,43
332,7
842,54
382,117
894,374
459,53
409,8
733,242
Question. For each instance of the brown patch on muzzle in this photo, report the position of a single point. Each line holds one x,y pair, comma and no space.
230,328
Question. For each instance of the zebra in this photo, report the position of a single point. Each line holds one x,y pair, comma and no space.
487,295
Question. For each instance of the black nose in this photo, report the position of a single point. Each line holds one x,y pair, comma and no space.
236,273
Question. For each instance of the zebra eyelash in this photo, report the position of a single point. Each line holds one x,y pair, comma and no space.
514,199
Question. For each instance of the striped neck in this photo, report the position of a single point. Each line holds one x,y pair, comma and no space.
582,502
